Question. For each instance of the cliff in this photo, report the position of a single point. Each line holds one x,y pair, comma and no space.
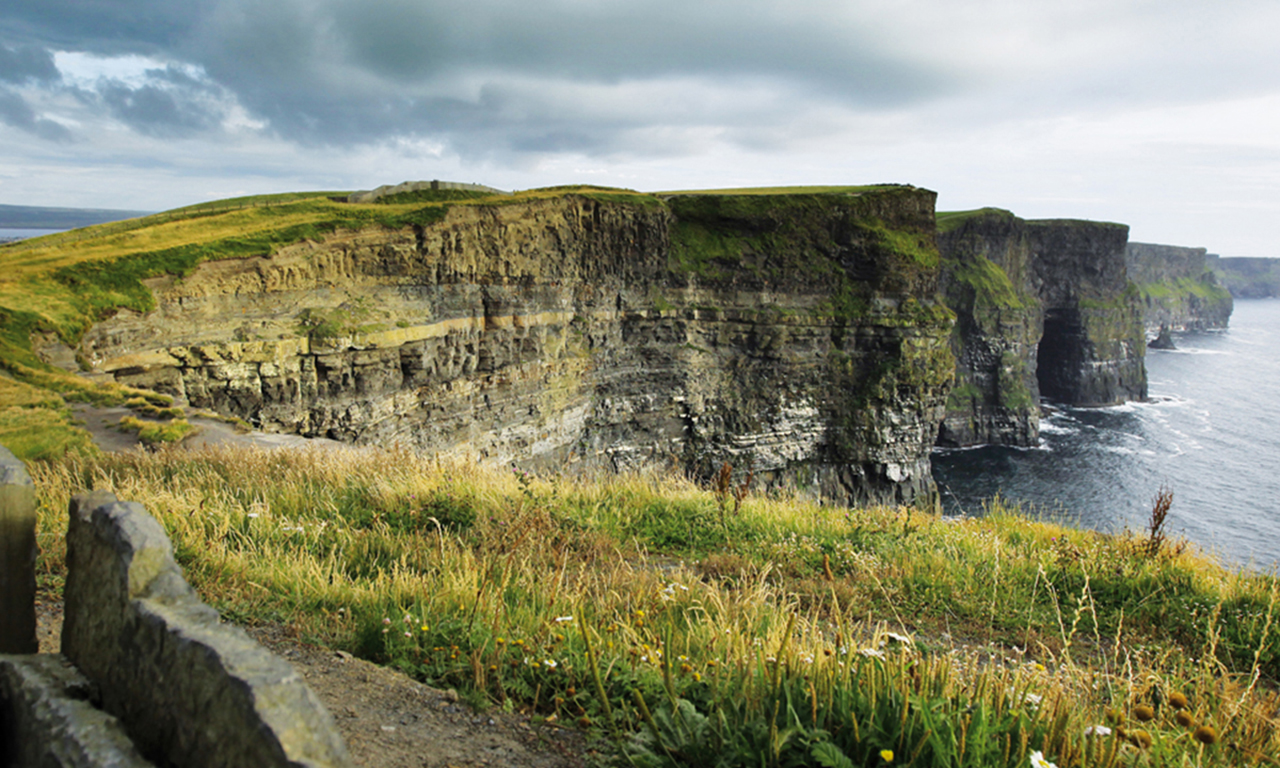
1179,290
797,335
988,282
1248,278
1044,307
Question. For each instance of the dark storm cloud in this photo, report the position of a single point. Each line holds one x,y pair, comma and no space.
156,111
26,63
15,111
473,73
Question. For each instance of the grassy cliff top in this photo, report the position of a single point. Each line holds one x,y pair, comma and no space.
949,220
796,190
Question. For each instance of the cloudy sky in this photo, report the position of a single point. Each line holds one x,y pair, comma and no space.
1163,114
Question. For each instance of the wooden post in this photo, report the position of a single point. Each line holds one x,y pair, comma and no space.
17,557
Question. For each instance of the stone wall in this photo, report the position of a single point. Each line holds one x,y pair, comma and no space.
17,556
419,186
148,672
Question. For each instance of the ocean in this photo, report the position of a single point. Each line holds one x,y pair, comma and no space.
10,233
1209,432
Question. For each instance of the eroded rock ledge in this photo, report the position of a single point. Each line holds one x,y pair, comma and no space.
797,335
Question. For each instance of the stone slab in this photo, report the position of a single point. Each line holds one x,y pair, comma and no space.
190,690
17,556
48,720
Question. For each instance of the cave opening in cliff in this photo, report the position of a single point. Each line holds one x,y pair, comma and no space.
1061,355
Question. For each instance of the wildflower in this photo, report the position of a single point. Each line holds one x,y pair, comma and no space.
1033,699
1097,730
563,619
1143,713
1177,700
1140,739
1206,735
550,663
500,641
697,677
1114,715
408,619
386,620
1185,719
895,637
886,755
872,652
425,627
1038,761
407,633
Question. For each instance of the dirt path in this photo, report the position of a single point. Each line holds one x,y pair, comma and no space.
387,719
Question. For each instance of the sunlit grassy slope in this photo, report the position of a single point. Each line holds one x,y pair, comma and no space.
686,629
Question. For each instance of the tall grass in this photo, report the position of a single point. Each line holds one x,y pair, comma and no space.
784,634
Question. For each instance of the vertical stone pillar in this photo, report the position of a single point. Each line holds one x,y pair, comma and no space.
17,556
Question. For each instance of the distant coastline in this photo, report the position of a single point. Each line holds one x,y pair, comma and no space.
12,234
33,217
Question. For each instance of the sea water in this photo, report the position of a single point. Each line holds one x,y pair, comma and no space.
1209,432
8,233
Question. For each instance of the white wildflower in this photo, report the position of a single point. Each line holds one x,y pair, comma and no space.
1038,761
1097,730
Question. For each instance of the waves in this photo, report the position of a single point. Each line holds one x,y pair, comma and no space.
1210,432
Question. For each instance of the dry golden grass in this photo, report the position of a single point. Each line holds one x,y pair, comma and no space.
552,594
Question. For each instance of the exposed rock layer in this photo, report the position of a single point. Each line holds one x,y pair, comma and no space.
798,335
1179,290
1043,308
1248,278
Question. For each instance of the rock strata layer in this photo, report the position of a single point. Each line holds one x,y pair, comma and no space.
796,335
1044,308
1179,290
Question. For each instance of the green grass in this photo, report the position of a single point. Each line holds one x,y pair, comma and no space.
796,190
682,629
951,220
990,285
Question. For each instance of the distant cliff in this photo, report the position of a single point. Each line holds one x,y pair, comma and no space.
1248,278
1179,289
1043,308
797,335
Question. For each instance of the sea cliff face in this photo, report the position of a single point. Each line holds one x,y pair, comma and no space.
1044,307
1179,289
798,336
988,282
1248,277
